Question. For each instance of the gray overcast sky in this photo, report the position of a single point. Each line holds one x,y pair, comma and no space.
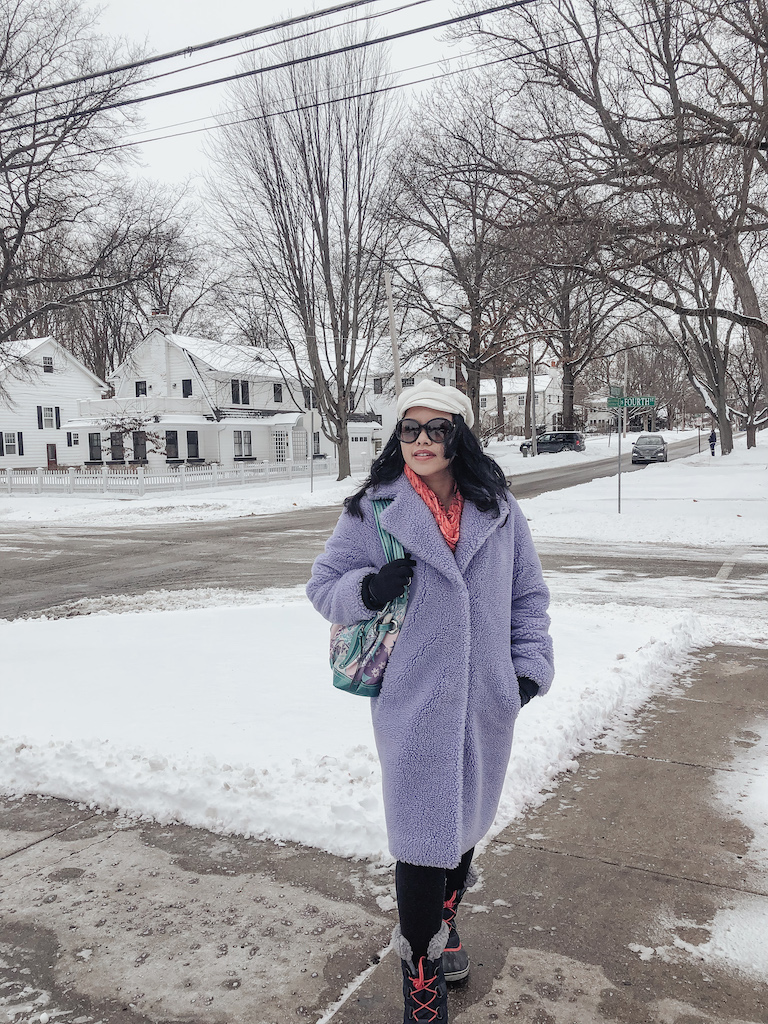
164,25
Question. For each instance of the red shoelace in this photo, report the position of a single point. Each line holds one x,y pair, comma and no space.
422,984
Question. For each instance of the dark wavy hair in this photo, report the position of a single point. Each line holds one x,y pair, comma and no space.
479,478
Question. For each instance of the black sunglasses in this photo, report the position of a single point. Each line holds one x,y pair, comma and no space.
438,429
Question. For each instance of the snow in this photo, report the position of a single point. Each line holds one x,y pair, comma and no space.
215,708
698,500
223,716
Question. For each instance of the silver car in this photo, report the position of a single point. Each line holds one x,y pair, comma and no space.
649,448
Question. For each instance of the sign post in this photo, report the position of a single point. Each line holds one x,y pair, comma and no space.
617,400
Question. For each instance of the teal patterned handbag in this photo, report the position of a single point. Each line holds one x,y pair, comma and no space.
360,652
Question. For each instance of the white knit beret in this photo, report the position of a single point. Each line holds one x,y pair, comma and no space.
440,397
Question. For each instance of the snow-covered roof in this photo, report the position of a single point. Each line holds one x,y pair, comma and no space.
516,385
225,358
19,350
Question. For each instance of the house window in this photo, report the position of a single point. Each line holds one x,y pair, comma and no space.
75,439
439,380
316,443
141,388
407,382
171,444
47,364
235,392
521,399
140,445
483,401
277,390
281,445
186,389
245,392
378,385
94,447
238,442
48,417
247,447
193,445
116,446
453,382
10,444
309,398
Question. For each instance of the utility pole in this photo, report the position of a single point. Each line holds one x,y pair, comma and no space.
624,411
532,393
393,333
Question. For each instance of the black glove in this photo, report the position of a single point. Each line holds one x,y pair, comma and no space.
528,689
388,583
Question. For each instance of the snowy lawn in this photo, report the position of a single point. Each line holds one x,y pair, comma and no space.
225,717
252,499
697,501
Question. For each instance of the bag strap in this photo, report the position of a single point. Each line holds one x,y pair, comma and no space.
392,547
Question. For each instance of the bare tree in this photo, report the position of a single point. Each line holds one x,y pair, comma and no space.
66,217
750,407
456,275
629,102
299,189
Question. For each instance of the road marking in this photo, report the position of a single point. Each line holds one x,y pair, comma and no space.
726,568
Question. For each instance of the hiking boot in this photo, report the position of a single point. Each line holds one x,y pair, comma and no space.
455,959
425,994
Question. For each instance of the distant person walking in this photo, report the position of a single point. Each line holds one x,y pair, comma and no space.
712,441
474,647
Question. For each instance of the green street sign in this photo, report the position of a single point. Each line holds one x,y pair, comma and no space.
631,401
615,390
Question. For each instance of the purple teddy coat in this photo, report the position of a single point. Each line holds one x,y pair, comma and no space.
444,719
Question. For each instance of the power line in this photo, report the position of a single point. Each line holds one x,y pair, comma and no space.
242,53
187,50
316,104
293,62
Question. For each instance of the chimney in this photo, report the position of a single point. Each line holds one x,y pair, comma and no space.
161,321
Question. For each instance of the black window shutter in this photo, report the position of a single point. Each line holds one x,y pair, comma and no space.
2,450
58,418
21,443
39,417
69,439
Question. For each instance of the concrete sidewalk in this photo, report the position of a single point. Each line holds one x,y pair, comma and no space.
608,904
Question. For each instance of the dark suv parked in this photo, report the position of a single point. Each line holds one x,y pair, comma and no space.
557,441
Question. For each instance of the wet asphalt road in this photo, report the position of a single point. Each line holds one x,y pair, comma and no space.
43,566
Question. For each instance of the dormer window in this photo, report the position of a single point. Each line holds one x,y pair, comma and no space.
235,392
278,392
186,389
141,388
47,364
245,392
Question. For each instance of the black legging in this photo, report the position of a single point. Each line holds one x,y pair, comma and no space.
421,893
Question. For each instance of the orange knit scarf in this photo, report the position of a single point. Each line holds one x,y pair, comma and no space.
448,522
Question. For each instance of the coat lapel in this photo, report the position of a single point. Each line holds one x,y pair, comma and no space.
476,528
409,519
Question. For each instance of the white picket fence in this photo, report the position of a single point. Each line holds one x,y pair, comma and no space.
140,480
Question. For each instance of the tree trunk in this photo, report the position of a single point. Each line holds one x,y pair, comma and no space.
500,405
750,304
726,430
751,434
568,397
473,394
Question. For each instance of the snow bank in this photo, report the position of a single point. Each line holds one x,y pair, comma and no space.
698,500
225,717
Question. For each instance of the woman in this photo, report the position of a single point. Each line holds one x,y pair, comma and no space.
473,648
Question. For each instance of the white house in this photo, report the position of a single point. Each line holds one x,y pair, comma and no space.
180,399
41,384
549,401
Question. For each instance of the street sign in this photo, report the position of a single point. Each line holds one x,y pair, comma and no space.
631,401
615,390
